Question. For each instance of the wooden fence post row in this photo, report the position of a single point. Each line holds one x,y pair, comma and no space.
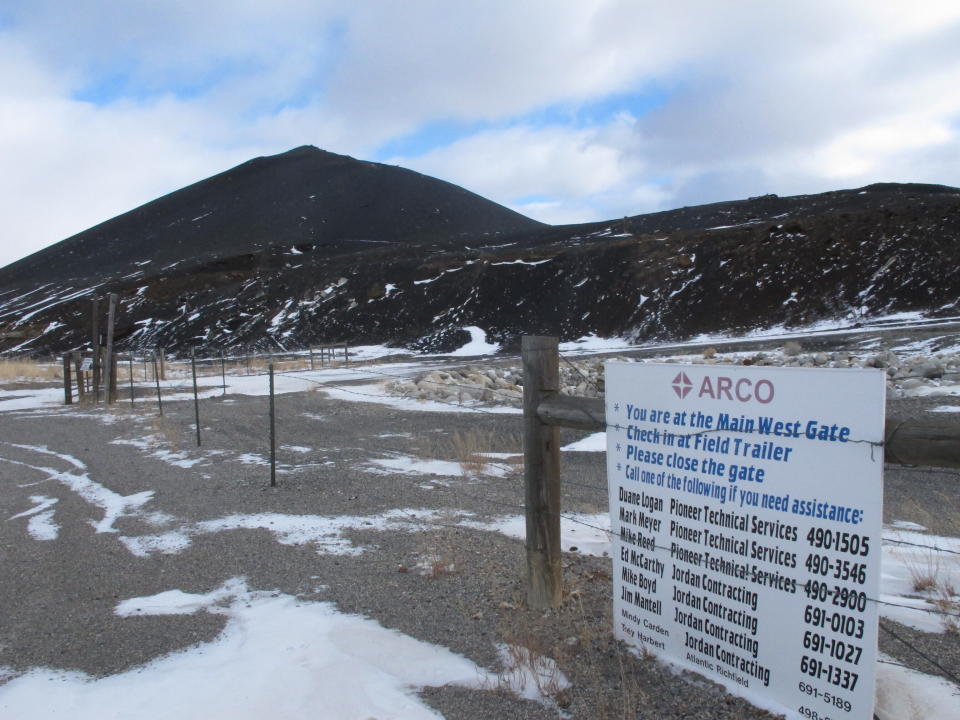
907,441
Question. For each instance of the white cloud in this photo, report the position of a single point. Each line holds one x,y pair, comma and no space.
755,97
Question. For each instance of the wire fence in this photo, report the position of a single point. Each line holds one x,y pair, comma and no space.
518,506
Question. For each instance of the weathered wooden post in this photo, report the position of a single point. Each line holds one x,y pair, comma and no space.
67,381
541,454
111,367
130,360
78,369
95,344
346,354
273,435
311,357
163,365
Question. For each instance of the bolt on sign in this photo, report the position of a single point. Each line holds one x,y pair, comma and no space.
746,508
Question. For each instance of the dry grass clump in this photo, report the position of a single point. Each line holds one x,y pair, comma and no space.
925,574
930,578
526,658
11,369
161,427
469,448
576,640
947,601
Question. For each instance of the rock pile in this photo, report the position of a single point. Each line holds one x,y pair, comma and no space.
907,374
499,386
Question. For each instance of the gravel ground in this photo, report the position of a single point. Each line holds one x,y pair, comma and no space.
58,597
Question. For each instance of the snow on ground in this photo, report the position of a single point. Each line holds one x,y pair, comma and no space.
328,534
41,524
376,393
339,382
905,694
79,481
592,343
920,577
151,446
30,399
277,657
946,408
529,675
478,344
597,442
406,465
579,532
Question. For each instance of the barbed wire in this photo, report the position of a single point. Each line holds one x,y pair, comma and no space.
919,545
473,388
665,550
474,408
577,370
570,518
381,396
569,482
920,469
564,483
920,653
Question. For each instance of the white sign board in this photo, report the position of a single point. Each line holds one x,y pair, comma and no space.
86,365
746,507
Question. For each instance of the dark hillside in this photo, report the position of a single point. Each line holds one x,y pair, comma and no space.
310,247
303,199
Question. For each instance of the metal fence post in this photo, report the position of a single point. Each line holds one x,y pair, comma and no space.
196,400
156,378
223,371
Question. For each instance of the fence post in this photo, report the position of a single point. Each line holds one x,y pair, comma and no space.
273,435
131,378
223,371
95,303
156,379
67,381
79,373
163,365
311,357
541,455
346,354
111,367
196,400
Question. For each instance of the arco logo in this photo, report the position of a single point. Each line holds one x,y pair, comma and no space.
682,385
721,387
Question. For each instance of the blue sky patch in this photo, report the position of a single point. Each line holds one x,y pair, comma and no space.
580,115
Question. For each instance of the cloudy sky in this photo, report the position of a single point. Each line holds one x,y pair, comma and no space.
566,110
